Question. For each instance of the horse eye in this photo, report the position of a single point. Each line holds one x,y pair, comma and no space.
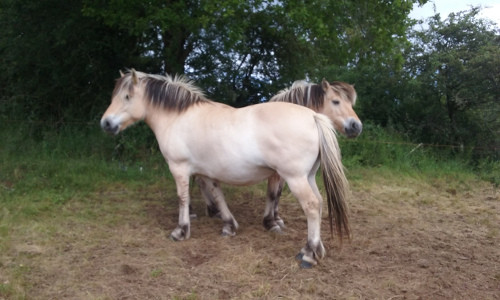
127,97
336,102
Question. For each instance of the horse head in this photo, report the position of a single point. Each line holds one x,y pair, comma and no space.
127,105
338,101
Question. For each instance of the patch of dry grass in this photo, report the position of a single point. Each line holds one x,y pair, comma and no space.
413,238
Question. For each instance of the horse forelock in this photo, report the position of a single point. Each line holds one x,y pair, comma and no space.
346,89
122,83
170,92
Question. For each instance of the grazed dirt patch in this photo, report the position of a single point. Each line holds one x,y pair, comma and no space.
412,239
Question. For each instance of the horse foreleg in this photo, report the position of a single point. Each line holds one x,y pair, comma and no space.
314,249
183,230
216,203
272,220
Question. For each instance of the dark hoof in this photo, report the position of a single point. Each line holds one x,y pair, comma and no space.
299,256
305,265
173,238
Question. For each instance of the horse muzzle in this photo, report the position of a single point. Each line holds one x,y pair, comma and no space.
108,125
353,128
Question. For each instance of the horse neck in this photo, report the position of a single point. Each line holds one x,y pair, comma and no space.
158,119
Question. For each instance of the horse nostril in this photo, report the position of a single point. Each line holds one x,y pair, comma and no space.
354,128
106,125
357,126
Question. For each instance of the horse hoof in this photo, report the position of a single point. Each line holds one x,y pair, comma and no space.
276,229
193,216
281,224
299,256
173,238
224,234
228,232
180,233
305,265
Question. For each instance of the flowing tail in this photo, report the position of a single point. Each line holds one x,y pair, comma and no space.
336,185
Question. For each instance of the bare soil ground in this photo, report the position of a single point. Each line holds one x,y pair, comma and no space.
412,239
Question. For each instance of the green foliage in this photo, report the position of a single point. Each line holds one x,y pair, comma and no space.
269,44
240,51
453,83
446,90
57,65
439,87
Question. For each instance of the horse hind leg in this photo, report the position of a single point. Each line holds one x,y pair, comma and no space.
212,209
216,204
272,220
314,250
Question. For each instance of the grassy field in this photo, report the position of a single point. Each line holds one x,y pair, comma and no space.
94,224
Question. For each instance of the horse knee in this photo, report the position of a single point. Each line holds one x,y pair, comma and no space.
311,207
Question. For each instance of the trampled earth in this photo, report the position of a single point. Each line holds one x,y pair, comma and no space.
412,239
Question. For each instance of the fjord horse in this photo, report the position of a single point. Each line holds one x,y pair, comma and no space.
237,146
334,100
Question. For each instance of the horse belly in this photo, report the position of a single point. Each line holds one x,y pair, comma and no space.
237,175
232,163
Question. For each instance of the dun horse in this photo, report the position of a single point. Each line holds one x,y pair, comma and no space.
336,103
237,146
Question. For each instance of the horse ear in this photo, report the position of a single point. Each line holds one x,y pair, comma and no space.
121,73
134,77
325,85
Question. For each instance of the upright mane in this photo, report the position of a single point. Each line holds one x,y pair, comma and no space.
302,93
311,95
176,93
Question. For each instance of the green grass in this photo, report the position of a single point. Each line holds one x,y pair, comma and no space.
49,169
389,152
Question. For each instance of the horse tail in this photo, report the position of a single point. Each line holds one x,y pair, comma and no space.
336,184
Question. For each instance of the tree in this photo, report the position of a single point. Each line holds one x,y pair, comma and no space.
242,52
454,65
57,65
59,58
